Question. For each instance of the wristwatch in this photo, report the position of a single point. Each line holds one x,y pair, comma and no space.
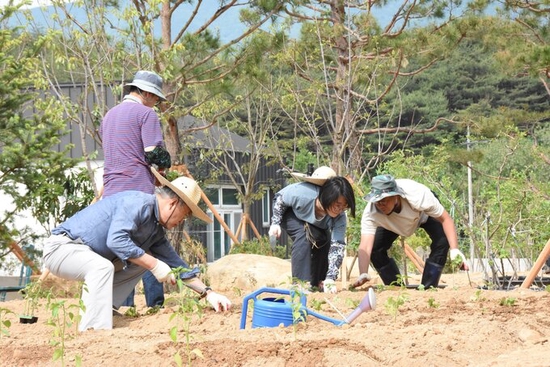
205,292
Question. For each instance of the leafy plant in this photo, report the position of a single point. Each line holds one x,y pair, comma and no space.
299,313
131,312
352,303
259,247
432,303
5,324
32,294
392,304
478,296
187,305
61,319
508,301
317,304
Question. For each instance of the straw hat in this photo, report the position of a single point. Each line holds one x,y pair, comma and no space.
188,190
318,177
149,82
383,186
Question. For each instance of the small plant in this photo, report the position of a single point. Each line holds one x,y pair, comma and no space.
186,306
31,294
401,281
62,319
131,312
317,304
392,305
432,303
299,313
5,324
352,303
508,302
478,296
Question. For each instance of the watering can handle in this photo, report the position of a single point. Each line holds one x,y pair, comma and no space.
253,295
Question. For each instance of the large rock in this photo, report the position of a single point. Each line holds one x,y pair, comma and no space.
249,272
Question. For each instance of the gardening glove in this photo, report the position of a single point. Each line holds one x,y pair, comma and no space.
329,286
275,230
218,301
363,278
454,253
163,272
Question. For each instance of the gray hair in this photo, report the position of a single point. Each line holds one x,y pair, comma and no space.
167,192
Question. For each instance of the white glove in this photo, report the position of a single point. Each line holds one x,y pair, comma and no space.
329,286
362,279
217,300
454,253
275,230
163,272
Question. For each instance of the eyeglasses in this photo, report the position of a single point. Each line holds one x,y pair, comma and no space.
339,207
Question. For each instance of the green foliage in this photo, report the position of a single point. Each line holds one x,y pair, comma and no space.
317,304
478,296
432,303
187,306
5,323
32,293
62,318
299,312
258,247
33,172
508,301
393,304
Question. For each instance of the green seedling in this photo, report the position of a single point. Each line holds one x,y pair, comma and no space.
298,311
508,302
32,294
392,305
317,304
477,297
153,310
131,312
432,303
352,303
5,324
187,305
62,318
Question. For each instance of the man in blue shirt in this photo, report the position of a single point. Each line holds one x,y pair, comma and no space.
110,244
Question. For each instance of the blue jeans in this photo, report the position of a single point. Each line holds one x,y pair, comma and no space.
154,292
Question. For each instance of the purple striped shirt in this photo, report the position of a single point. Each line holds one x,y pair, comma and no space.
126,130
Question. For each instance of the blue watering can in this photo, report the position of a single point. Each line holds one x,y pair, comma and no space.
274,311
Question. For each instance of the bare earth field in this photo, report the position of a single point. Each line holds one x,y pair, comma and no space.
460,325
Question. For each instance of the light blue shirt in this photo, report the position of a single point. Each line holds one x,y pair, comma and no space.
125,226
301,198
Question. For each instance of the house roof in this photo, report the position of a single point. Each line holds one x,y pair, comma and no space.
195,132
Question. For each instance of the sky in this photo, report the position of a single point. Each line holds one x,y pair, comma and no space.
34,3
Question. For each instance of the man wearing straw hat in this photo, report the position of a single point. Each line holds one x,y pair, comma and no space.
313,214
398,208
110,244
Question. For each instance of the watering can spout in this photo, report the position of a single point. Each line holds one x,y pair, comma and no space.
367,303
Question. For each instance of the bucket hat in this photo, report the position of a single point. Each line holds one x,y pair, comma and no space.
149,82
383,186
188,190
318,177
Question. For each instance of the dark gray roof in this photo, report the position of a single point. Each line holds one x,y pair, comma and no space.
212,137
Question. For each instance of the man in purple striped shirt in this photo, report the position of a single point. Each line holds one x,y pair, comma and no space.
132,142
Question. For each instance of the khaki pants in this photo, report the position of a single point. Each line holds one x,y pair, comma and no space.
103,287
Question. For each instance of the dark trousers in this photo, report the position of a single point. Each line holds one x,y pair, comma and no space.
154,291
309,262
384,239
